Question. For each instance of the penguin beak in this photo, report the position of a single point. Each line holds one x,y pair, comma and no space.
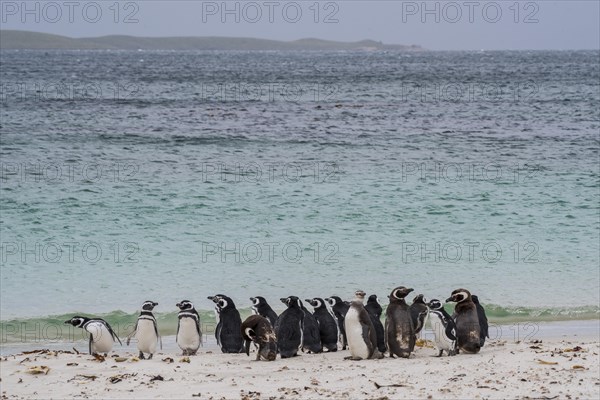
178,305
409,290
211,298
449,299
283,300
68,322
154,304
251,298
309,301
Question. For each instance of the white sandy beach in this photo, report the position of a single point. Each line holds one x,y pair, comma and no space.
566,367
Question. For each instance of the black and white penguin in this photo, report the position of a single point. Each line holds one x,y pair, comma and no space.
328,327
399,329
189,336
483,321
102,335
289,326
146,331
375,310
261,307
229,324
468,330
259,330
418,312
444,328
340,308
311,336
362,338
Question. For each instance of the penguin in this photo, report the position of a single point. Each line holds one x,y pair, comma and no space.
468,330
399,329
362,339
258,329
444,328
375,310
340,308
418,313
328,328
229,324
261,307
311,336
483,321
146,331
189,336
289,327
102,335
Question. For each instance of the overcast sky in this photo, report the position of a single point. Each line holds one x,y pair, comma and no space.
435,25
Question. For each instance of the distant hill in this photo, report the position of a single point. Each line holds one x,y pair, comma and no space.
13,39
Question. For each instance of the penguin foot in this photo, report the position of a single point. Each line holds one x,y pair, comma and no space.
150,356
141,357
352,358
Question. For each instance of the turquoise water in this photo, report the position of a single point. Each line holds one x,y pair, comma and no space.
129,176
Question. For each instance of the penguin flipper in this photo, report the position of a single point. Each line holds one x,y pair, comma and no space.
483,321
385,334
247,347
301,324
198,326
370,335
450,332
112,333
218,333
155,331
132,333
451,329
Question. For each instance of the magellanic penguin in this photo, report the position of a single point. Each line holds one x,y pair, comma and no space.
328,328
229,325
399,329
289,327
146,331
311,337
258,329
189,336
418,312
102,335
375,310
340,308
261,307
483,321
444,328
362,338
468,330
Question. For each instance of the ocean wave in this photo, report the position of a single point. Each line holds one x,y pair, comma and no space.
53,328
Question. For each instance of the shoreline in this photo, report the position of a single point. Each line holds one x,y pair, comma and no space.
565,367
